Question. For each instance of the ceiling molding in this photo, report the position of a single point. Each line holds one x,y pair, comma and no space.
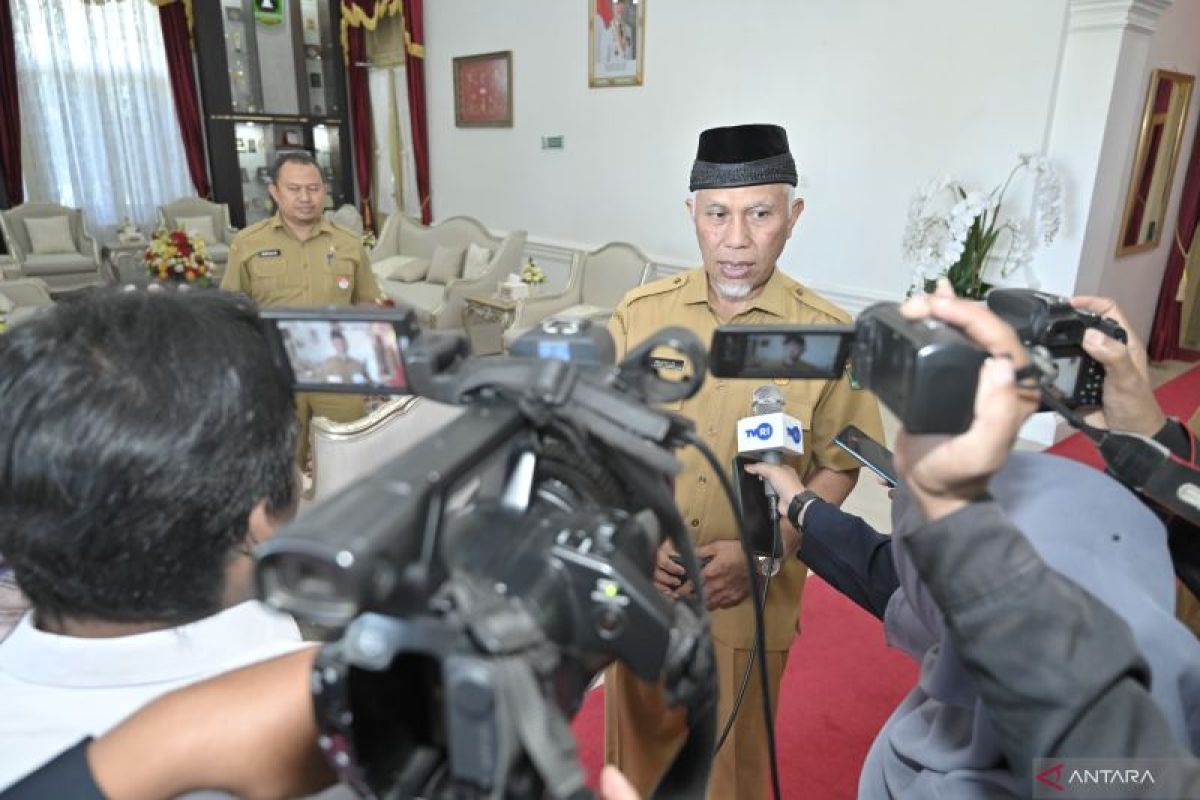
1140,16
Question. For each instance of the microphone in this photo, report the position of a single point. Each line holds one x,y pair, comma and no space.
768,434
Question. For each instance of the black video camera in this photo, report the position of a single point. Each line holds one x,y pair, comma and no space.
1052,323
485,577
924,371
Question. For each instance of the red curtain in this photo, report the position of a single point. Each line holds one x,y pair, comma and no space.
414,70
10,110
360,116
1164,336
178,44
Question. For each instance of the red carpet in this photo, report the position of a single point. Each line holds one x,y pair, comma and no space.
1178,397
841,683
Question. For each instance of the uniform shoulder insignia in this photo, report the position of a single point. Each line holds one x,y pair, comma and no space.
250,230
808,297
340,228
660,286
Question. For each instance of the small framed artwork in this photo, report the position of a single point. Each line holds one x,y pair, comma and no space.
292,139
245,176
312,52
616,42
314,80
241,144
233,14
251,146
483,90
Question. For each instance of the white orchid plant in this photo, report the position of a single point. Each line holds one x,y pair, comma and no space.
952,229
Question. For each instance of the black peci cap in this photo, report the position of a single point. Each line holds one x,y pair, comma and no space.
742,155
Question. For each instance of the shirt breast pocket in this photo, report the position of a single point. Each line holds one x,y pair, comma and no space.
268,273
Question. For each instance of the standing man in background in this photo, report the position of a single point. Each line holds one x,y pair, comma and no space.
744,211
299,258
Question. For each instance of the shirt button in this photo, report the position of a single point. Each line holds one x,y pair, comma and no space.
704,479
719,385
695,523
712,431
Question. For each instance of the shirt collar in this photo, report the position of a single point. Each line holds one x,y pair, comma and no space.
772,299
323,225
221,640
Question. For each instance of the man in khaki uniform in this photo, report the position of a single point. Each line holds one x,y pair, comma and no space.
299,258
340,367
744,213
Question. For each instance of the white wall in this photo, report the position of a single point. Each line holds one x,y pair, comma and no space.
1136,279
877,98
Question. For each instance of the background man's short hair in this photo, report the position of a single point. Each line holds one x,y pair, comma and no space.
139,431
292,157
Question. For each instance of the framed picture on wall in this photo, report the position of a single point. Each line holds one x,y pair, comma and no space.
483,90
240,144
616,42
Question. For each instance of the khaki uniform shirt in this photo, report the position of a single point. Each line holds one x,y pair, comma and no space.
824,407
330,268
345,369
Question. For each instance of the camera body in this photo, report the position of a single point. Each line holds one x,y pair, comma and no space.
1052,323
924,371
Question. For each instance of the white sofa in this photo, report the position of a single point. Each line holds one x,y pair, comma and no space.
406,245
76,264
597,283
217,214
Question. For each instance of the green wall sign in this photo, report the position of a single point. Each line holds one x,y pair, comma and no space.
269,12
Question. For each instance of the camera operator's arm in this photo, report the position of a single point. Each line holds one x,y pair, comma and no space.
1058,671
843,549
250,732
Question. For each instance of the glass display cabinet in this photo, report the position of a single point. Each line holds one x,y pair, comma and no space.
271,79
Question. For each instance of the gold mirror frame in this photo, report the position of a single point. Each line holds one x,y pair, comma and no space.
1159,139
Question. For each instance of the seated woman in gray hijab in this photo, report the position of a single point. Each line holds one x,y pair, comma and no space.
939,741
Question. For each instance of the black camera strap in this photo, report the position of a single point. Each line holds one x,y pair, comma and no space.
1139,462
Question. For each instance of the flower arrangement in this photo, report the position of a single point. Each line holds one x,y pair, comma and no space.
952,230
531,274
178,256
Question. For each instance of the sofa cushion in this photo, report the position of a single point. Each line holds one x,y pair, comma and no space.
407,269
425,298
198,226
594,313
58,264
476,261
50,235
446,264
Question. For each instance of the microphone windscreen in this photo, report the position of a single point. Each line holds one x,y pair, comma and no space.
767,399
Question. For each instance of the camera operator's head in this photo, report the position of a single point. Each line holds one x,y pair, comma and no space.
146,443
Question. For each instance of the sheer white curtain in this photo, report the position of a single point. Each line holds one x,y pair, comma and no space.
395,165
98,126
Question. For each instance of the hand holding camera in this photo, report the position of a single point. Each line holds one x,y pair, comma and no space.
947,472
1129,403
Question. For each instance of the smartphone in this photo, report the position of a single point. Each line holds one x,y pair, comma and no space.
358,350
753,506
869,452
780,351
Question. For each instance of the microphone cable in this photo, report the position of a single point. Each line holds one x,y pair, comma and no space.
759,627
762,600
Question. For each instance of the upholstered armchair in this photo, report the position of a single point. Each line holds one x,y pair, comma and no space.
344,452
51,242
597,282
22,298
434,269
217,233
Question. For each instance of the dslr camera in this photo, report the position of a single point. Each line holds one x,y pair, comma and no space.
924,371
1051,323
